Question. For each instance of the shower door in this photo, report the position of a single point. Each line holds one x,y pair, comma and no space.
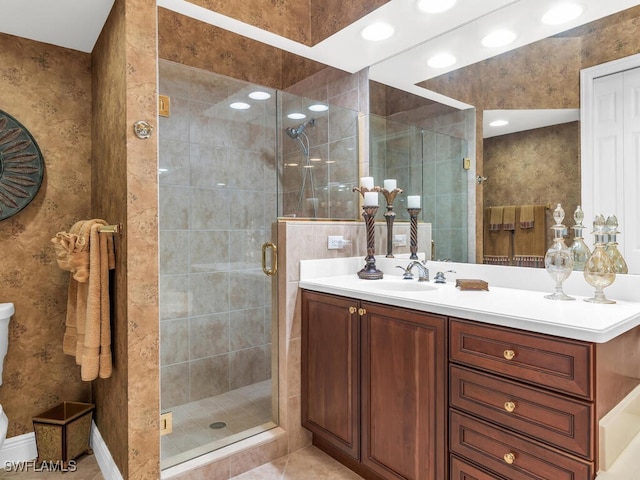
430,164
218,201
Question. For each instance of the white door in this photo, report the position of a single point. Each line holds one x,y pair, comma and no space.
631,226
610,105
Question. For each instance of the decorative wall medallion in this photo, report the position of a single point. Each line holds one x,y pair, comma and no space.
21,166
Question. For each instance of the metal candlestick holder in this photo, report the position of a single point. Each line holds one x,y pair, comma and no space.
369,271
413,215
389,217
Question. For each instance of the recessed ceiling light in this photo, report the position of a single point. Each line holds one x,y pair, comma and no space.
330,161
260,95
435,6
563,13
499,38
240,106
377,31
290,164
318,107
441,60
315,159
296,116
499,123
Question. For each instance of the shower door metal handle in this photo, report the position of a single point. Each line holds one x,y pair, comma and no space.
274,259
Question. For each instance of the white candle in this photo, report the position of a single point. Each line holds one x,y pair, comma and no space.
390,184
413,201
370,199
367,182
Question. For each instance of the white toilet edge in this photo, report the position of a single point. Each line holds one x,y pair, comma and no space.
6,310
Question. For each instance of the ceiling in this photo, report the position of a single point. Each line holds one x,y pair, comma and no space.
400,61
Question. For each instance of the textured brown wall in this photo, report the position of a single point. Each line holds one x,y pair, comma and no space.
109,85
124,190
47,89
307,22
538,167
189,42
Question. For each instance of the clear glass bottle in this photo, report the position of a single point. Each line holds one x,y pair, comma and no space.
598,271
559,259
581,252
619,265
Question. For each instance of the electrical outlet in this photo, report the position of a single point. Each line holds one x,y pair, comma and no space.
335,242
399,240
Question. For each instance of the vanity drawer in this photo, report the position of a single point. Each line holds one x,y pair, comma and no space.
560,421
559,364
461,470
510,455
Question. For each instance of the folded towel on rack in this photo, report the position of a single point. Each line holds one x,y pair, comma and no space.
496,243
509,218
88,255
527,217
495,218
529,243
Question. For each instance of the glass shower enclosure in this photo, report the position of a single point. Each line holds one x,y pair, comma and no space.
233,157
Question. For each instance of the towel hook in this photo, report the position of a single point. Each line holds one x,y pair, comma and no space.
480,180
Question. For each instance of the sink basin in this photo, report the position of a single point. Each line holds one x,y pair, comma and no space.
400,285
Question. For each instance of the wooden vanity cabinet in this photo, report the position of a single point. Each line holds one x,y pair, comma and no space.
398,357
522,404
331,371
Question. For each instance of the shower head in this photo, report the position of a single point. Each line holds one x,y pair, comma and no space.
295,132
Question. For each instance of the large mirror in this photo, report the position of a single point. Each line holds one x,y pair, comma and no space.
539,164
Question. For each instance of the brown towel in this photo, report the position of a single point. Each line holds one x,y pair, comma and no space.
527,217
495,219
529,244
509,218
88,255
496,243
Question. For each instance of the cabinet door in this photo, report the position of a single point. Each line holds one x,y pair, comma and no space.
330,401
404,390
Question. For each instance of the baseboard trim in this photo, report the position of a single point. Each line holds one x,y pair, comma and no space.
103,456
20,448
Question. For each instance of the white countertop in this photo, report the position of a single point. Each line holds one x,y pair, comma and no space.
500,305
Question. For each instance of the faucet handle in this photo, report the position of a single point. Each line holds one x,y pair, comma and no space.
407,275
439,278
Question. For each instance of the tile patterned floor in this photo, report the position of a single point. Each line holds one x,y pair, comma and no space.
306,464
86,468
247,409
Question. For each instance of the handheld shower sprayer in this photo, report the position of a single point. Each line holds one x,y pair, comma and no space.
295,132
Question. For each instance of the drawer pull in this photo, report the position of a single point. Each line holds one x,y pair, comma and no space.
362,311
509,458
352,310
509,354
509,406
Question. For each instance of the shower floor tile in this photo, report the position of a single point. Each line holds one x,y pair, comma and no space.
243,412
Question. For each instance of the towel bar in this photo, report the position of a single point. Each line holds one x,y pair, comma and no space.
111,228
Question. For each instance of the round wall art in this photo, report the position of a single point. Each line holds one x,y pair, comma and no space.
21,166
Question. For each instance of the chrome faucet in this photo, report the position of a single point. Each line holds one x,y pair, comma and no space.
423,271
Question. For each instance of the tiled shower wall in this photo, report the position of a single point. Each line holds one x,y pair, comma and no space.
217,203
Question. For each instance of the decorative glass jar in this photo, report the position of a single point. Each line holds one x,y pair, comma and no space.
581,252
598,271
558,260
619,264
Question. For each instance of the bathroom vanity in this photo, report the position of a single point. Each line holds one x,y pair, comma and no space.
427,382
